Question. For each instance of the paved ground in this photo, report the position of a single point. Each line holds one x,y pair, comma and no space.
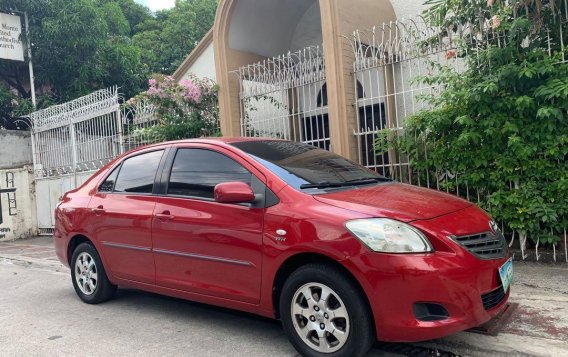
41,315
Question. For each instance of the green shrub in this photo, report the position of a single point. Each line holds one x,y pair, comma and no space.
500,125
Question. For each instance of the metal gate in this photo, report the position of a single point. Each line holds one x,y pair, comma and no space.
72,140
69,142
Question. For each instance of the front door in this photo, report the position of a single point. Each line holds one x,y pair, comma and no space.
202,246
122,212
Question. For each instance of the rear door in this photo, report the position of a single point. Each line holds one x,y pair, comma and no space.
200,245
122,212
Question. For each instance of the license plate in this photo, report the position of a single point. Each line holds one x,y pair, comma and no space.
506,273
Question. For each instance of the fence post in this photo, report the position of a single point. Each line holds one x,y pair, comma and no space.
34,153
74,148
120,129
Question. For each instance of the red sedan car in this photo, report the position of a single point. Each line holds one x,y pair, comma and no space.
342,255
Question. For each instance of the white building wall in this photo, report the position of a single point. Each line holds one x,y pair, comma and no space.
15,148
204,66
17,201
408,8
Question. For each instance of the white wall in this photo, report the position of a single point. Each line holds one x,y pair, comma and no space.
18,222
204,66
15,148
407,8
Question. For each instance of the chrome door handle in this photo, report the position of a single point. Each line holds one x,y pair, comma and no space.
166,216
99,210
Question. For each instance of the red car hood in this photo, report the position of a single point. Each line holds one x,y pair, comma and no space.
395,200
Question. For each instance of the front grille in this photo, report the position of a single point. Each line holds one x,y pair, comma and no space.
493,298
485,245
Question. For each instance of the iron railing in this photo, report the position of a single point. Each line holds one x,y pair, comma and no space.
77,136
286,97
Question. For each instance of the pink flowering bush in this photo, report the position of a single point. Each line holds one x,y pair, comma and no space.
184,109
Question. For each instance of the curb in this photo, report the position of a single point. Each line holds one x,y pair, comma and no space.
26,261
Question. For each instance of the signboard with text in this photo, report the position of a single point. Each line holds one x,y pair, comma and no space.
11,46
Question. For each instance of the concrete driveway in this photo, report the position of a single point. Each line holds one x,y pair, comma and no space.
41,315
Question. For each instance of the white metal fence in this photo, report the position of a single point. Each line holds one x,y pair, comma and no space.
135,118
388,60
80,135
72,140
286,97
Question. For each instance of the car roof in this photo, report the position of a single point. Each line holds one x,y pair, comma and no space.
205,140
227,140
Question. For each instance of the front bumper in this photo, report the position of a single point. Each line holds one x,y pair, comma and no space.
401,281
452,277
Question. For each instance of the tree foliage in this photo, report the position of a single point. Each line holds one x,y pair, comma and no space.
173,33
502,124
79,46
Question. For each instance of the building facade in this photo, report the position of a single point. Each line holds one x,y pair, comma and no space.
300,70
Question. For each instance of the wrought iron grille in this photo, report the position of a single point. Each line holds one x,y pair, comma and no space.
84,134
389,60
135,119
286,97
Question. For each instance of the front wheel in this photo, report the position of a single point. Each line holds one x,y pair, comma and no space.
324,313
89,277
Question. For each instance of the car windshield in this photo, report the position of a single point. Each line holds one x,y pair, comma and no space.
307,167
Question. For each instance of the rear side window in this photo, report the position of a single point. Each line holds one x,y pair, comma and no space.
195,172
137,173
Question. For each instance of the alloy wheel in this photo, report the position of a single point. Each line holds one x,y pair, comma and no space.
86,274
320,317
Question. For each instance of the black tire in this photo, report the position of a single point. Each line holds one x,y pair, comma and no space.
361,333
103,289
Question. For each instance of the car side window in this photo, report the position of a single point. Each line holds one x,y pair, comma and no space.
195,172
137,173
108,184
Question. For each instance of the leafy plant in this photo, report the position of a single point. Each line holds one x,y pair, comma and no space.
499,127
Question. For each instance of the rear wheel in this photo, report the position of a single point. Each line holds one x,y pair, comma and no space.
89,277
324,313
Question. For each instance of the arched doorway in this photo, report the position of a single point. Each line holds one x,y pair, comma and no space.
270,67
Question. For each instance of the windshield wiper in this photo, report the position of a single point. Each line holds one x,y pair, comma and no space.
323,184
365,180
353,182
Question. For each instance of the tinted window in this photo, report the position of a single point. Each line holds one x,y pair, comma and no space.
300,164
137,173
195,172
108,184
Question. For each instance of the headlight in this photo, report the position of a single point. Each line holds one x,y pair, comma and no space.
388,235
